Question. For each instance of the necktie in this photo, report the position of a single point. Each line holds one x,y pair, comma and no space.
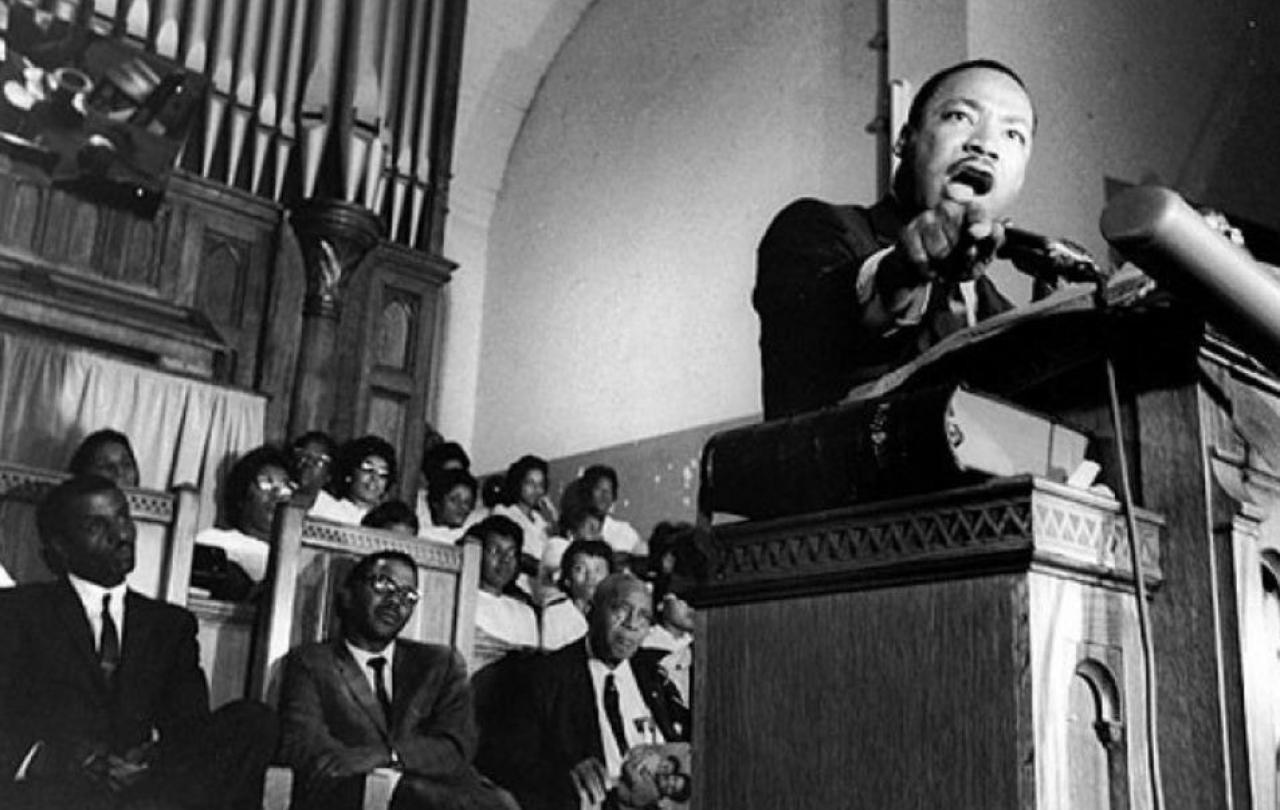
948,311
109,643
614,713
379,664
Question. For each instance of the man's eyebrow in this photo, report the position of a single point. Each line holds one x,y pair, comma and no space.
975,104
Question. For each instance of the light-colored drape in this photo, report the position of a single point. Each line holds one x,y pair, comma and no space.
182,430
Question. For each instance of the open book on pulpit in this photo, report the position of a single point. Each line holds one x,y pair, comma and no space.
946,419
905,443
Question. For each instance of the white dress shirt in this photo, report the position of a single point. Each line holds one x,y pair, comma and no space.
506,619
244,550
562,624
91,599
329,508
535,528
620,536
362,658
636,720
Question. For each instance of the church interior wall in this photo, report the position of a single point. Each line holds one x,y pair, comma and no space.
616,275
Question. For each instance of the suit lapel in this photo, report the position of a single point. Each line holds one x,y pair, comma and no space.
650,682
358,685
407,673
138,627
71,613
584,719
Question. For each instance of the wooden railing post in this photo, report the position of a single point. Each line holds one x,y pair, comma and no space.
182,544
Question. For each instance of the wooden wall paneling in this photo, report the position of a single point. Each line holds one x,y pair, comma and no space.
1242,419
227,261
70,231
1084,636
349,379
278,360
1173,481
389,356
21,201
132,247
881,698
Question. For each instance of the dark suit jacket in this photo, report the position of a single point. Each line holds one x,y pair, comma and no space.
812,349
52,689
555,727
327,704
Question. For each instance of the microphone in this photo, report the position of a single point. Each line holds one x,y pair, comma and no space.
1157,230
1038,256
1049,258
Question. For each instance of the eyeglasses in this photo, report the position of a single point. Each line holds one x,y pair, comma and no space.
279,489
373,469
316,459
385,586
630,615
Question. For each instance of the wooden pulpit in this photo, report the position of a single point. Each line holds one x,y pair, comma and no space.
979,647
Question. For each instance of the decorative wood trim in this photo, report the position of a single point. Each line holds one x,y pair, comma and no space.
30,485
1009,524
362,540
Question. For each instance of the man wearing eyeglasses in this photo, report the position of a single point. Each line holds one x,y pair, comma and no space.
369,700
587,706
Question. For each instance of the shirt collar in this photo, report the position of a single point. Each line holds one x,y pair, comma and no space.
362,657
600,669
91,593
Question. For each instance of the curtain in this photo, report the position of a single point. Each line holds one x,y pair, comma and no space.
183,430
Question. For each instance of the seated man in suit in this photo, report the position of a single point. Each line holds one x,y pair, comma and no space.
368,700
586,706
102,701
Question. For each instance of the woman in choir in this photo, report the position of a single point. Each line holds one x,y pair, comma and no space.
394,516
365,472
527,504
577,521
312,456
106,453
451,498
439,456
257,482
601,481
584,565
505,619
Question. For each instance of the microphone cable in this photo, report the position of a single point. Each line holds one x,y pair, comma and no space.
1147,644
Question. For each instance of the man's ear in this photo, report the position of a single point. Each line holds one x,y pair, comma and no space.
54,556
903,142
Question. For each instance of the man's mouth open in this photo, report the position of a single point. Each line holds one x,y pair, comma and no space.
974,176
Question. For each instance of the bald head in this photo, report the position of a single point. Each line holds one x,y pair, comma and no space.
621,615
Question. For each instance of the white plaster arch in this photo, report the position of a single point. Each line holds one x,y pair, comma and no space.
508,47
